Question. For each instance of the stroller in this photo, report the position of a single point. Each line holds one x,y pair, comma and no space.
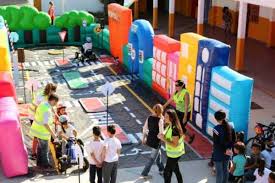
74,155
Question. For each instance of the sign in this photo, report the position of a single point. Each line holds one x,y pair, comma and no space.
14,37
141,56
107,89
133,54
62,35
130,47
84,23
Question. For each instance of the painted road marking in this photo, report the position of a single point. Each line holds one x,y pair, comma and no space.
132,138
132,114
126,108
138,121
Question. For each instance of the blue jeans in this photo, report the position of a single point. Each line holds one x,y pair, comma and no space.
42,153
222,171
155,156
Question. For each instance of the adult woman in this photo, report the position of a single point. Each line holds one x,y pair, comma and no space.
183,108
37,98
173,138
51,11
227,19
152,127
223,137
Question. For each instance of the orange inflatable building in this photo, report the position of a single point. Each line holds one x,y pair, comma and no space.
120,20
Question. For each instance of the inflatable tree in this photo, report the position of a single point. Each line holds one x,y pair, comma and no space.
42,21
28,13
73,18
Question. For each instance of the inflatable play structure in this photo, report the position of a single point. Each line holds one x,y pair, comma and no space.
159,60
13,153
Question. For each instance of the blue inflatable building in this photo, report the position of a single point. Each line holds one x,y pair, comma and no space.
231,92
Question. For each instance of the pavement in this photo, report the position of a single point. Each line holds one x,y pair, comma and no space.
125,110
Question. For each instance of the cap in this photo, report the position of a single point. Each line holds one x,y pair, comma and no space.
63,118
88,39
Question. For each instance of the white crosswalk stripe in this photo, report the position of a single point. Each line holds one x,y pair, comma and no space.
27,64
52,62
135,138
100,118
33,63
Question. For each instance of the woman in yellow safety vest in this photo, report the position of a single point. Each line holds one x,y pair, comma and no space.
173,137
183,107
37,98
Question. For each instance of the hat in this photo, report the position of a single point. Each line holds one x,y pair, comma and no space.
61,105
88,39
63,118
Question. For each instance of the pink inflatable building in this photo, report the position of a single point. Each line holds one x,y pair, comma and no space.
13,153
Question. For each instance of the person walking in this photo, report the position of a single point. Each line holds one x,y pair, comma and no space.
173,137
110,155
227,21
42,129
51,11
37,98
183,107
223,138
153,126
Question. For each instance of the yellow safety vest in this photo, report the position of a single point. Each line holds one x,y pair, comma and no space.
35,103
179,99
173,152
38,129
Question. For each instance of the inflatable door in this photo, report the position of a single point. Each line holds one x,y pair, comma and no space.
140,45
211,53
230,92
120,20
188,61
163,45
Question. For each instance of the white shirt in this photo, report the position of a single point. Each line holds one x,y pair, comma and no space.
264,178
69,132
87,46
268,156
112,145
96,148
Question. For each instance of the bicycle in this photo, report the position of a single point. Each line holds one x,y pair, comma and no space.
264,135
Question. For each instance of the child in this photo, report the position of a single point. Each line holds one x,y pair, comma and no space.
261,173
239,162
271,178
252,162
111,152
95,150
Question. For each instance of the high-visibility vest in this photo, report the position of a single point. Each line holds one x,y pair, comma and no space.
38,129
179,99
173,152
35,103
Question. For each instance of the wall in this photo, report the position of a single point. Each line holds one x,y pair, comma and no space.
88,5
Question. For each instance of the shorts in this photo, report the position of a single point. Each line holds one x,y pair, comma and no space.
181,116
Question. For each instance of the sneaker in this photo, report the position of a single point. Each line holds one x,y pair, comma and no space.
191,139
161,173
146,177
211,164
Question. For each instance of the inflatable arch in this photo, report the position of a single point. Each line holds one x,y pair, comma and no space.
140,45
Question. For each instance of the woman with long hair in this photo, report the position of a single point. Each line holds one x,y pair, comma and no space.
173,137
153,126
261,172
223,138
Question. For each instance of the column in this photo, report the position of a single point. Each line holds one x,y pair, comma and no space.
239,65
200,16
155,14
271,30
171,27
136,9
62,8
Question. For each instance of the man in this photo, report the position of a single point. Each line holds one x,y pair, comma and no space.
42,129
